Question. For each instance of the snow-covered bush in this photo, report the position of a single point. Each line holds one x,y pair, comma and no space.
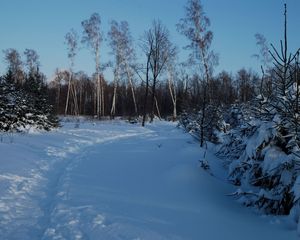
210,124
263,151
265,173
263,160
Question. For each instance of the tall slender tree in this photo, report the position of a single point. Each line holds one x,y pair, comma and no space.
172,87
195,27
32,61
15,65
92,37
121,44
159,50
265,59
71,39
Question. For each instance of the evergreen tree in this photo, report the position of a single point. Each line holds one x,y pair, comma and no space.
26,105
41,112
268,159
14,104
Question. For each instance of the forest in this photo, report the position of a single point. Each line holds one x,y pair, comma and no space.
253,118
158,85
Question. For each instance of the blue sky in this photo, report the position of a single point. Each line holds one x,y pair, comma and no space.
42,25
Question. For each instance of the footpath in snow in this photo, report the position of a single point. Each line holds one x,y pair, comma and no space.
113,180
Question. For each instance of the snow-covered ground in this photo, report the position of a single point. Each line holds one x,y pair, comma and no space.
113,180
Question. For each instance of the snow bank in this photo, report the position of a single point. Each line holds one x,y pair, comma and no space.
113,180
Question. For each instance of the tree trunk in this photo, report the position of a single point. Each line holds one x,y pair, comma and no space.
102,96
202,119
80,99
153,100
206,99
75,100
172,91
132,89
146,91
157,109
95,98
57,98
98,86
68,95
113,105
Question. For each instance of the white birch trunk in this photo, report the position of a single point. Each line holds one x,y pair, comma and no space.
157,108
172,90
113,105
68,95
98,86
131,87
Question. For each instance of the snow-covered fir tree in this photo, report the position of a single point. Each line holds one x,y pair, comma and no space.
25,105
262,151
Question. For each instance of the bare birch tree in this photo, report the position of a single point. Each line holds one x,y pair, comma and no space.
121,44
117,44
148,54
71,39
266,60
92,37
15,65
172,87
32,60
57,81
195,26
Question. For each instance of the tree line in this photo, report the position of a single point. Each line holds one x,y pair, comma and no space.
160,85
157,85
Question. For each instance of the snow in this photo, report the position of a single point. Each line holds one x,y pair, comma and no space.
296,189
262,135
113,180
274,157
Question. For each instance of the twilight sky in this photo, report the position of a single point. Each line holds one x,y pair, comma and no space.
42,25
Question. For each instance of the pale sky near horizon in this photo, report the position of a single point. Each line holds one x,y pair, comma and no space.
42,25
